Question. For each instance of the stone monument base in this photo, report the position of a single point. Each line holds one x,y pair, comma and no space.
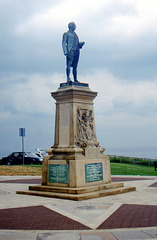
78,194
76,167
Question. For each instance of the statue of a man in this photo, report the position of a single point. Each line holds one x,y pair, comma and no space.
71,48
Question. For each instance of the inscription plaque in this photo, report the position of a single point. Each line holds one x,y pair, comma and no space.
93,172
58,173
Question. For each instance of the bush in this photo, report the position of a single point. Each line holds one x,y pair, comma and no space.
138,161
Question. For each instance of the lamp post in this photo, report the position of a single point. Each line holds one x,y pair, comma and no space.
22,134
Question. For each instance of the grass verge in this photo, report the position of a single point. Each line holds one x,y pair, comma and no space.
116,169
132,169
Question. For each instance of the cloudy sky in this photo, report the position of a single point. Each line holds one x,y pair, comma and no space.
119,61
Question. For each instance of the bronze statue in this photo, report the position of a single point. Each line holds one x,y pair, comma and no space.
71,48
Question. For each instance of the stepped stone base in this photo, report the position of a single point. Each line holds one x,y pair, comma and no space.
81,193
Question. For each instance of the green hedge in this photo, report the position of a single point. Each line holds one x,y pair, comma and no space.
139,161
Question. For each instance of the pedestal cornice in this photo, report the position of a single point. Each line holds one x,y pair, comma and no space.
73,92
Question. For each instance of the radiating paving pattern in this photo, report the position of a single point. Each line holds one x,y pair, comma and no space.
112,217
36,218
153,185
132,216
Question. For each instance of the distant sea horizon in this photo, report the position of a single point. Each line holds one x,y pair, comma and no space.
139,152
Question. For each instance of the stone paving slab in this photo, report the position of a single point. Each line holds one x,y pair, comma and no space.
9,235
136,234
91,214
151,232
58,236
97,236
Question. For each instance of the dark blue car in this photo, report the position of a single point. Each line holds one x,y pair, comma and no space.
16,158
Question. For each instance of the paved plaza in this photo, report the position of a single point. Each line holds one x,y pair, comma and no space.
125,216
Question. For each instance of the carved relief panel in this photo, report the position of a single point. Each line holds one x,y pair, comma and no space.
85,134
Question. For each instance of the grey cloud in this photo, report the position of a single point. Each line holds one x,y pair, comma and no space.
146,106
42,52
131,61
26,53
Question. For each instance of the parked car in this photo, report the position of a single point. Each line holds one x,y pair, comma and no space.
41,151
16,158
38,155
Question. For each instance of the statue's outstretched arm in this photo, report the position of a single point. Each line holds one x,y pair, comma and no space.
81,44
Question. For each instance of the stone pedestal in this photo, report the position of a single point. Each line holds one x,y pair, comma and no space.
76,167
76,159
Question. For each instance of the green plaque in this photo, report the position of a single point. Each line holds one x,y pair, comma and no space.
58,173
93,172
